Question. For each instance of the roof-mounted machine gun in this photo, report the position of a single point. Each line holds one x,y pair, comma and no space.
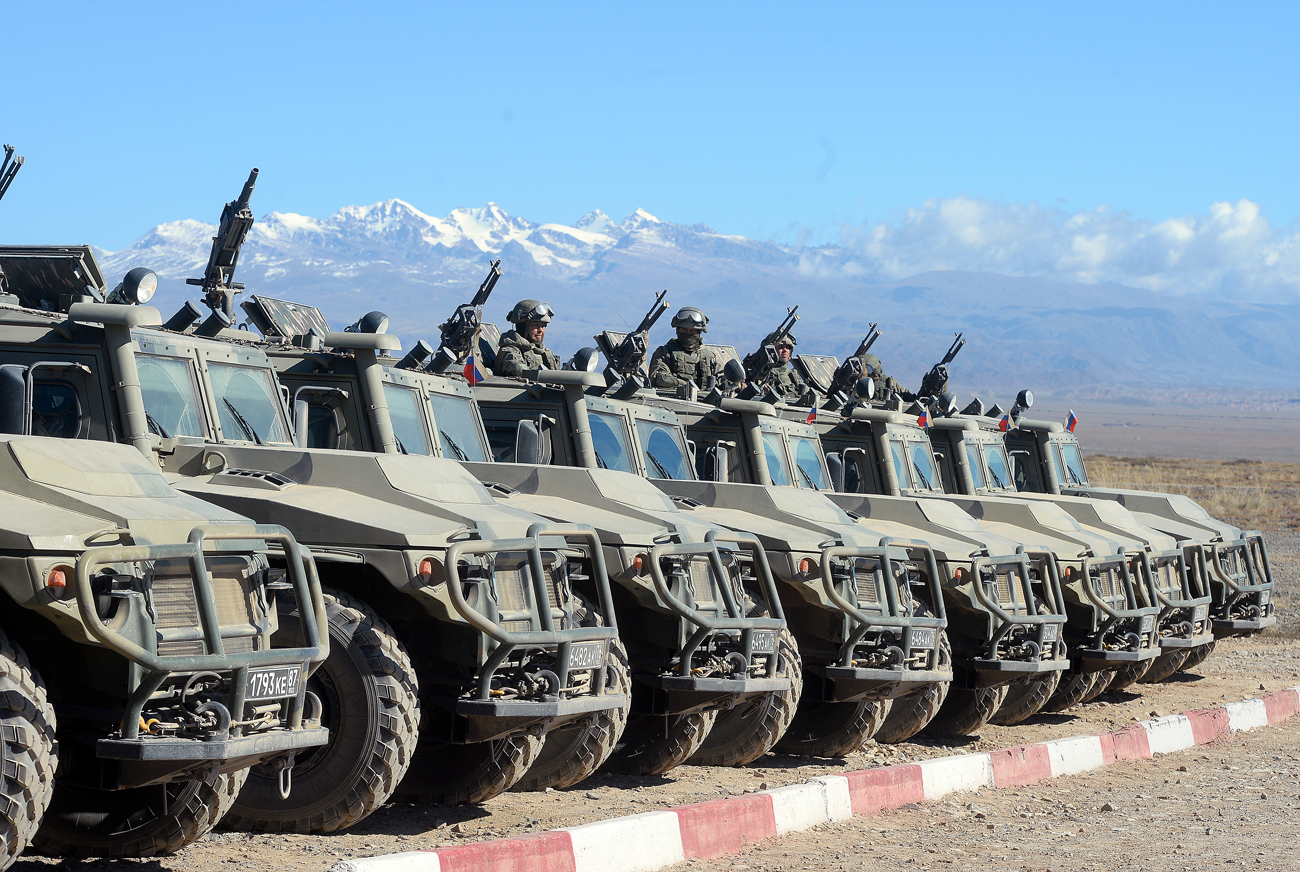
9,168
936,380
759,364
460,332
844,383
626,353
218,289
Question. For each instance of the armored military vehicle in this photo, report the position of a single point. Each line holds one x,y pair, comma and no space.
975,461
487,660
684,590
141,619
1048,460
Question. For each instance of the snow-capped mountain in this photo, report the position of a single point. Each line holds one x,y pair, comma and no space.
601,274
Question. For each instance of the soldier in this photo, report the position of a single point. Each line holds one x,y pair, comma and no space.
784,379
520,354
884,383
685,359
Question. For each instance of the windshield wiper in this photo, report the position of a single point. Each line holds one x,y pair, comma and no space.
248,428
808,478
997,479
155,426
925,479
460,455
659,467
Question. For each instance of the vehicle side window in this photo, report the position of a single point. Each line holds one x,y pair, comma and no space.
322,426
975,466
404,410
56,410
777,467
609,439
170,397
901,466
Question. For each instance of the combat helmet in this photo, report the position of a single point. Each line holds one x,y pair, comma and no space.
787,338
530,310
691,318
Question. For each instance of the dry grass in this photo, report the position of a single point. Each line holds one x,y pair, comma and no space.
1248,493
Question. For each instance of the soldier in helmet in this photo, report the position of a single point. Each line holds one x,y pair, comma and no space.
520,354
884,383
685,360
784,379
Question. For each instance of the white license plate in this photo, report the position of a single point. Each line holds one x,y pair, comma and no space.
1264,596
587,655
1201,612
277,683
1050,632
923,637
764,642
1148,624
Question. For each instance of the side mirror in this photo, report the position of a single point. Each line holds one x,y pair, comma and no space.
835,462
13,399
715,463
733,371
585,360
532,442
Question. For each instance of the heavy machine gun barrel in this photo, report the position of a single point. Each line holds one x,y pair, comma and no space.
457,332
936,380
9,168
625,357
847,373
236,220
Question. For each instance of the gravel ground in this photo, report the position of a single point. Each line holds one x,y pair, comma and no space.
1239,669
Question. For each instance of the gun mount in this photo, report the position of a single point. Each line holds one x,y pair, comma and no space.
936,380
627,353
236,219
759,364
460,332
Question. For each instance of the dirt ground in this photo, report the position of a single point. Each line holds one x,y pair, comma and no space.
1060,814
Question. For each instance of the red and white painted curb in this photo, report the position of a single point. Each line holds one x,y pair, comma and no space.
650,841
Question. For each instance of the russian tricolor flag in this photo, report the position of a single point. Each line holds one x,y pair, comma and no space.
1072,421
812,415
473,374
1005,424
923,420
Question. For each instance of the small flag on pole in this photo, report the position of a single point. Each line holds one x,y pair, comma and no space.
923,420
1072,421
1005,424
812,414
473,374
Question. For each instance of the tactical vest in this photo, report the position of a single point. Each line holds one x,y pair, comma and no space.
672,365
516,355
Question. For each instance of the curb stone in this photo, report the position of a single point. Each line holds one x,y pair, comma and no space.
657,839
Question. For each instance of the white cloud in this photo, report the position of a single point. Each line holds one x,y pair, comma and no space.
1232,250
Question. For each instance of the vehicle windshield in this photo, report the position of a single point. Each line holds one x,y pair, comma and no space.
923,467
171,400
404,411
665,455
999,472
609,438
777,466
1074,464
973,464
808,460
457,428
248,404
901,467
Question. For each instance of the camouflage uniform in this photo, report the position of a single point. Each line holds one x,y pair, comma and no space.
884,383
674,363
785,380
517,355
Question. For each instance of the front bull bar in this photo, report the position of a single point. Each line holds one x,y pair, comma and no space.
1101,656
1050,627
1255,581
1198,631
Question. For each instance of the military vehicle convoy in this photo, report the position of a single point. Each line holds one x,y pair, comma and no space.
479,669
1048,460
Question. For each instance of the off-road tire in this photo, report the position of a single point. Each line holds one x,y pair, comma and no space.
965,712
912,712
574,751
1023,701
1165,665
751,729
1129,674
139,822
1105,679
1197,655
655,744
29,751
832,729
1073,689
372,710
448,773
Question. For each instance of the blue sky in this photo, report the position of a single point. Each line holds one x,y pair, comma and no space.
789,122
